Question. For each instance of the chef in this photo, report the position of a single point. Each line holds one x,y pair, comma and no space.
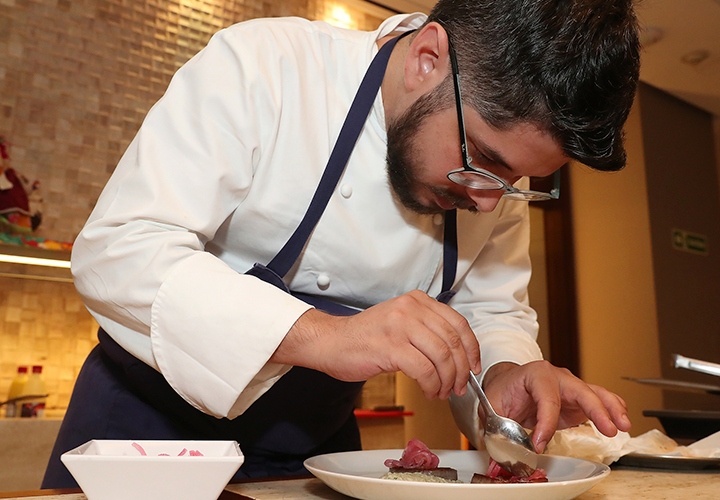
307,207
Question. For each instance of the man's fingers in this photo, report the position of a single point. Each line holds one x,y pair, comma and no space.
571,405
445,337
458,324
549,405
564,400
446,349
616,409
418,367
456,332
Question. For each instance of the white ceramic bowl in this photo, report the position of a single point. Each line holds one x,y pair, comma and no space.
118,470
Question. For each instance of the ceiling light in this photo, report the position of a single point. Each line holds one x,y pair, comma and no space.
650,35
695,57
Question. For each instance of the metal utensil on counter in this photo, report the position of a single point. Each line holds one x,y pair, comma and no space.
696,365
23,398
505,440
679,385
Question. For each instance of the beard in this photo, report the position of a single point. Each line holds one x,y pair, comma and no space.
403,168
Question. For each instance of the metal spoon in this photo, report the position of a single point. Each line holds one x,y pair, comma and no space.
505,440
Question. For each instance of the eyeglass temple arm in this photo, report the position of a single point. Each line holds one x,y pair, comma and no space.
556,183
458,104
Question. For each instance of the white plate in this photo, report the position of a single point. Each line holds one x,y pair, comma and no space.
357,474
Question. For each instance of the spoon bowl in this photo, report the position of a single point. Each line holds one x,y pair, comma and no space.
506,441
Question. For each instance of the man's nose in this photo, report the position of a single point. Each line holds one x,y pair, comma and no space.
485,199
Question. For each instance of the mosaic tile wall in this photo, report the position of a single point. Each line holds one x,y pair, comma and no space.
44,323
76,79
78,76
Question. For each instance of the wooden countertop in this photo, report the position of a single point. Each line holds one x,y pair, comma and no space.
623,484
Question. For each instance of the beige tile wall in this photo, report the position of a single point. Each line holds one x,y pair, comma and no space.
76,79
78,76
44,323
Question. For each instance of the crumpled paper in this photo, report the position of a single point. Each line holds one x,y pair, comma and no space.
585,441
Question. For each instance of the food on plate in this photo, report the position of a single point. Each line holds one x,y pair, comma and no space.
419,476
440,472
496,474
418,463
416,456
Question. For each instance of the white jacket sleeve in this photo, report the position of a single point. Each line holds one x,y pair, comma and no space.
140,263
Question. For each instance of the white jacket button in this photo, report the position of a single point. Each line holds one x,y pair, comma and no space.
346,190
323,281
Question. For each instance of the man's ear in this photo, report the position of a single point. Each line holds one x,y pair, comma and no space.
427,61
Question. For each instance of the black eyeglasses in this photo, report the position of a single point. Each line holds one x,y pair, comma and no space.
479,178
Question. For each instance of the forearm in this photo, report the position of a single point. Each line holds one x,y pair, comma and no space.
307,340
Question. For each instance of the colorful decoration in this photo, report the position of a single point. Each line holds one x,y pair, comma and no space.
20,199
33,241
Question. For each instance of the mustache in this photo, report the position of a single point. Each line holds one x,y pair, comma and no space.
459,202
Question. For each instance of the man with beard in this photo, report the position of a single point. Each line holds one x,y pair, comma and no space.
253,259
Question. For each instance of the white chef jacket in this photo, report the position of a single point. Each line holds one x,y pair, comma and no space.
217,179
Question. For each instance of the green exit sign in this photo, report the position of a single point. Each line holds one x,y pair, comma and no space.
690,242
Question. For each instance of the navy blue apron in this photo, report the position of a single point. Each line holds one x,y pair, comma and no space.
306,413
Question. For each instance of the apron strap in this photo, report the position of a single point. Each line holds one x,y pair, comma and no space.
450,256
349,134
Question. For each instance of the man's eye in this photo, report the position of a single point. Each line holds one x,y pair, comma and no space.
485,159
481,160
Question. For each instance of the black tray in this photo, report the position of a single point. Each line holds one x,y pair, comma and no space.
687,424
669,462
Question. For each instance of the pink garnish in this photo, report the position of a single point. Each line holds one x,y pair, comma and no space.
538,476
415,456
496,472
140,449
193,453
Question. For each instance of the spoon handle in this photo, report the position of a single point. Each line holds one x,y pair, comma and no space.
487,407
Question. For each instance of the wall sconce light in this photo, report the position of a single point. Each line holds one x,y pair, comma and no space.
34,261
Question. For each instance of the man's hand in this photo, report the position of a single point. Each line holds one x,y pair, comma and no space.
547,398
415,334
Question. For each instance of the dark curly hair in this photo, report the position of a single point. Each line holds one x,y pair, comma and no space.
569,66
